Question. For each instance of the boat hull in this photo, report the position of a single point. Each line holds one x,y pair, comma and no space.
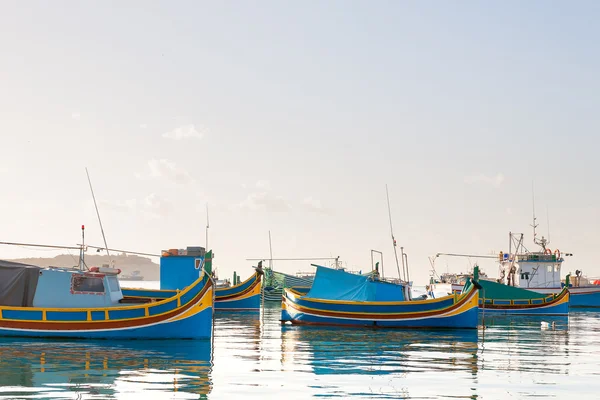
245,296
558,306
580,297
188,315
450,312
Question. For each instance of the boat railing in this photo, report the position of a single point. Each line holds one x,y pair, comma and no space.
518,302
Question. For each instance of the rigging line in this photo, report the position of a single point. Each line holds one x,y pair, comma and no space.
123,251
97,212
291,259
41,245
464,255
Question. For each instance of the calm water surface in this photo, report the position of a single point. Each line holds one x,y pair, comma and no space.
253,356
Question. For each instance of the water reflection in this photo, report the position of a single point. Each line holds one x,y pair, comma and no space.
253,356
356,351
84,369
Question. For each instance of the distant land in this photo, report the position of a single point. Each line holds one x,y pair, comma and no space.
126,263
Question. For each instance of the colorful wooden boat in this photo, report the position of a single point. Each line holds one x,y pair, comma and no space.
71,303
497,298
180,269
344,299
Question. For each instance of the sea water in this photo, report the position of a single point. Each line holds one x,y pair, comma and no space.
253,356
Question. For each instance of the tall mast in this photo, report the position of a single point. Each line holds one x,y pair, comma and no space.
97,213
392,232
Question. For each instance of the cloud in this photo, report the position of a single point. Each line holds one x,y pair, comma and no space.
263,184
76,116
265,201
123,206
314,205
156,206
143,126
152,205
495,181
186,132
163,168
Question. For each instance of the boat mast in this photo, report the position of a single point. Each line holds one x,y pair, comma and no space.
82,249
392,233
98,214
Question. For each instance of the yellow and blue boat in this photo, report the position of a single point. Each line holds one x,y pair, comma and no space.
340,298
77,303
180,268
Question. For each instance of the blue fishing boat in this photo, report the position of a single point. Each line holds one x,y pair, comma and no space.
89,303
180,268
344,299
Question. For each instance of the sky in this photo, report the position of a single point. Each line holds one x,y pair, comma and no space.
292,118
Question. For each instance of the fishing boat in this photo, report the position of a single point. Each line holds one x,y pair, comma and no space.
134,276
344,299
180,268
540,271
499,298
89,303
276,282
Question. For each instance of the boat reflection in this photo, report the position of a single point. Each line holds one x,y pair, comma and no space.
74,369
353,351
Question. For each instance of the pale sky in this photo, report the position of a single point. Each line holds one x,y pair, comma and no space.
292,117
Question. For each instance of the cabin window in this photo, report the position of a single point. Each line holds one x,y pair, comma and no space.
113,284
556,268
81,284
549,268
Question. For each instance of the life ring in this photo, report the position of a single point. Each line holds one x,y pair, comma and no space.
548,251
557,253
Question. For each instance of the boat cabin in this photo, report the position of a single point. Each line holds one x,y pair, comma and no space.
526,269
23,285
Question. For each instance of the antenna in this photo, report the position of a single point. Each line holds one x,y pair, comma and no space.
542,242
534,225
97,212
392,231
270,253
207,226
548,222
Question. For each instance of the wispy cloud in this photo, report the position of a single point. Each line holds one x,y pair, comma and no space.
127,205
76,116
152,206
143,126
186,132
156,206
163,168
314,205
263,184
495,181
265,201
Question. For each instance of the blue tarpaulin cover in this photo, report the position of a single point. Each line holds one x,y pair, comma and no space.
335,284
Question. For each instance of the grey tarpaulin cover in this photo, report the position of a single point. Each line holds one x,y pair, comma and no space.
17,283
